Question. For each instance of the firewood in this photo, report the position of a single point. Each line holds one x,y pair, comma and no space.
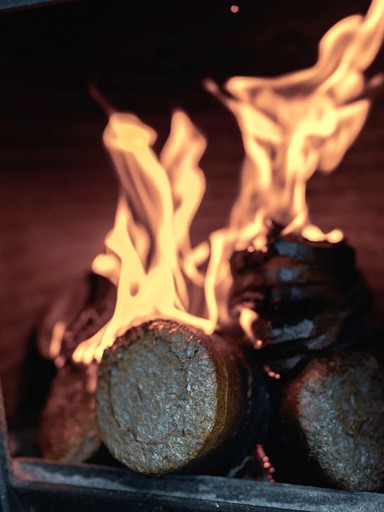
332,422
324,253
82,308
307,295
68,429
170,398
293,248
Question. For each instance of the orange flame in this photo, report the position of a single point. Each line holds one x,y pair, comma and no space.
148,252
291,126
298,123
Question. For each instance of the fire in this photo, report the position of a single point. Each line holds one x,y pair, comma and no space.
291,126
148,252
298,123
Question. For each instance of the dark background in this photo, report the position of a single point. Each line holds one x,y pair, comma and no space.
57,187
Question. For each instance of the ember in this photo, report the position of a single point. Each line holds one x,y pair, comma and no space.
197,358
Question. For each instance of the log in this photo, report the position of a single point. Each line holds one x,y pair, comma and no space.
332,424
68,430
334,255
67,427
82,307
308,296
171,399
295,250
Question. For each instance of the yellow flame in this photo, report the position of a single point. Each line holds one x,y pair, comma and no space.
291,126
56,339
301,122
148,252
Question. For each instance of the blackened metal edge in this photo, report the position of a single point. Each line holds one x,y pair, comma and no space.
8,5
218,493
8,502
4,460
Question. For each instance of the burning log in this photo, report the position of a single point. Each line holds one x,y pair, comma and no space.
307,295
312,309
171,397
332,423
78,312
68,427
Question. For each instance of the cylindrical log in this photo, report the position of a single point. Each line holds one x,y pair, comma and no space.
80,310
170,396
332,423
68,430
307,296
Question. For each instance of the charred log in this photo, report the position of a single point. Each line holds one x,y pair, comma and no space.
308,296
67,427
82,308
171,398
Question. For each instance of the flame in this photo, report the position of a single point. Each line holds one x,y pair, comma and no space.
291,126
148,252
298,123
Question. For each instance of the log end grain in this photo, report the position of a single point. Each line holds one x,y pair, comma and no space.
337,407
166,397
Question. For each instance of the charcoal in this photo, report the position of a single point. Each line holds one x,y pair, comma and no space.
308,296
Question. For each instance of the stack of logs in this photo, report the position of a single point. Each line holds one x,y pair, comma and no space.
299,399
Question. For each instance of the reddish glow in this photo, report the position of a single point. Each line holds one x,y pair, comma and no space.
271,373
234,8
264,459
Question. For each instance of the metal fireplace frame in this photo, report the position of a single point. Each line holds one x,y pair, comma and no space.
36,485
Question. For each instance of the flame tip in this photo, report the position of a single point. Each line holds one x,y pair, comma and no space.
100,99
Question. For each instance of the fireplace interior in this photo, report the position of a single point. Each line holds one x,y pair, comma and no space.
58,195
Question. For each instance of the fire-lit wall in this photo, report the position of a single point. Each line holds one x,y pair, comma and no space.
57,187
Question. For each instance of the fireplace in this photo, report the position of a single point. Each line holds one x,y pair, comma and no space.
59,195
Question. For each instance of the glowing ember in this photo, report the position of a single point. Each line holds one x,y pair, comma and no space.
265,462
291,126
